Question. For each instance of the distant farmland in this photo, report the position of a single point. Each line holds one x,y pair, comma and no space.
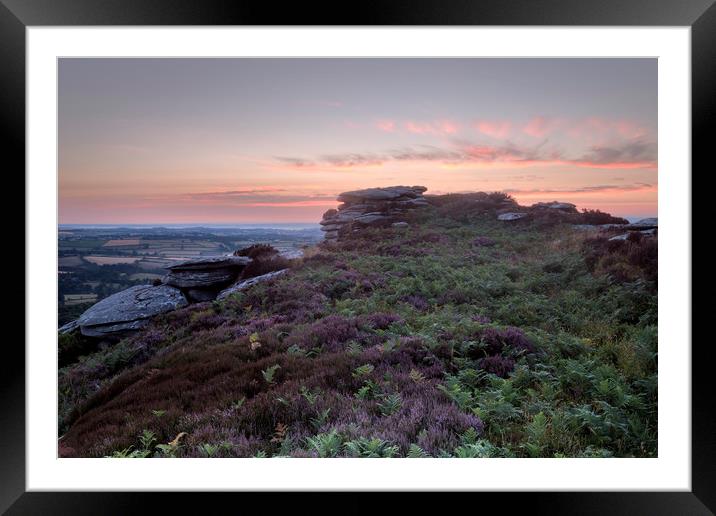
120,243
79,299
111,260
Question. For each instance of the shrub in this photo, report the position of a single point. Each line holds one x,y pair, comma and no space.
264,251
71,346
623,260
497,365
599,217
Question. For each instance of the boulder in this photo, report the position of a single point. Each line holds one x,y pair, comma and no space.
202,278
644,233
371,207
400,225
511,216
129,310
291,254
241,285
650,223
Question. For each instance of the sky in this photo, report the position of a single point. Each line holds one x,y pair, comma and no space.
275,140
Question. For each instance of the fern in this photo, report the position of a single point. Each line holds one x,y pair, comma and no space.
147,438
390,404
311,397
369,390
238,404
208,450
295,349
478,449
254,342
416,452
362,371
370,448
269,373
321,419
416,376
354,348
326,445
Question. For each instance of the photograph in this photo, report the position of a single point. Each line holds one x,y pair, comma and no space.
357,257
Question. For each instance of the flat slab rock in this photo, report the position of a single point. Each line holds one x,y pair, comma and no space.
381,194
511,216
129,309
211,262
208,272
200,278
242,285
649,223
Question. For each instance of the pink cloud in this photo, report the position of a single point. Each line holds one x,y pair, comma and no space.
444,126
385,125
419,127
448,126
601,129
540,126
626,155
495,129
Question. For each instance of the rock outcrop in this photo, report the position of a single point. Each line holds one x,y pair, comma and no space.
128,310
190,281
370,208
242,285
511,216
644,224
203,278
556,205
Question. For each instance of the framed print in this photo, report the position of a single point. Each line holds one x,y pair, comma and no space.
281,243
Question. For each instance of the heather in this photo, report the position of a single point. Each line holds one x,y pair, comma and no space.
458,336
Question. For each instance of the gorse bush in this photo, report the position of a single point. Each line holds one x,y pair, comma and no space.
458,336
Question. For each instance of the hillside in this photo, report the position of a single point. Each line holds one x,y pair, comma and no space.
459,331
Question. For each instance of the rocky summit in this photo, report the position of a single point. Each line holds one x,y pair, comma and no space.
371,207
128,310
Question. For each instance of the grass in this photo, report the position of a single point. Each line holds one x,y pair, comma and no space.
460,336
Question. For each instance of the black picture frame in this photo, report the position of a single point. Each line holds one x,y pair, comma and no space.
17,15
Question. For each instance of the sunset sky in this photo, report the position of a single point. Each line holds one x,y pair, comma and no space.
274,140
